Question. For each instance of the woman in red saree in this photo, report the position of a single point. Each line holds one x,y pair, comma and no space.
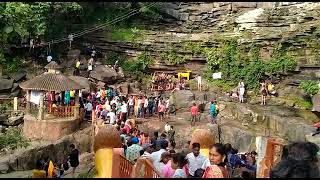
218,160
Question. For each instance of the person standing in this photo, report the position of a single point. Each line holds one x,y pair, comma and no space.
213,112
195,159
124,111
156,156
133,152
150,106
145,106
73,158
131,106
90,64
161,110
77,70
241,91
167,106
199,82
264,93
194,113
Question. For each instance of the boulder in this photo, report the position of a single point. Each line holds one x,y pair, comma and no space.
13,121
24,158
3,118
18,76
15,87
182,98
4,167
316,103
73,54
104,74
6,84
15,93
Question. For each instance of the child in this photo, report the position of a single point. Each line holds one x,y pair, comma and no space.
194,113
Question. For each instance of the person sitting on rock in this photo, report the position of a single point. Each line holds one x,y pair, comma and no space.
271,90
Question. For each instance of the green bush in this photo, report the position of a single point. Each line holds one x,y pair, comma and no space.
126,34
280,62
140,66
234,65
172,58
6,106
13,139
112,57
310,87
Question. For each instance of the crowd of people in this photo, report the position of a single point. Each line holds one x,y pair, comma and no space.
166,82
169,162
113,108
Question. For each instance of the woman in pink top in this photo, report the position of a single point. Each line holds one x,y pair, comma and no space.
167,171
161,110
194,113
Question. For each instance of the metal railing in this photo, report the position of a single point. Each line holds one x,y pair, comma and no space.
126,167
62,111
150,172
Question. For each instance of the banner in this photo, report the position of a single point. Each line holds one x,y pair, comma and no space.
217,75
35,97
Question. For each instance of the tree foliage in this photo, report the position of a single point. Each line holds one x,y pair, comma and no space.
234,66
310,87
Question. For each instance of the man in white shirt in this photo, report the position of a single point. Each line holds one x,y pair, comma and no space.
112,116
145,106
88,107
131,106
124,111
139,107
147,150
195,159
156,156
199,82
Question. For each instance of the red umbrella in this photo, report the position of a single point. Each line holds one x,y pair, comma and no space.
317,124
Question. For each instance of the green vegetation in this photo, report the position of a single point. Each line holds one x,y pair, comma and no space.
6,106
193,47
234,66
112,57
139,66
172,58
310,87
13,139
55,20
126,34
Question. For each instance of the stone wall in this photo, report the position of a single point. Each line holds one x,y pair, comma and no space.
295,24
49,129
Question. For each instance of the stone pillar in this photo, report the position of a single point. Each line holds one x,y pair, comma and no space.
28,102
15,103
76,107
41,107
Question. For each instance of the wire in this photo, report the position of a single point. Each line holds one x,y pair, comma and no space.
127,15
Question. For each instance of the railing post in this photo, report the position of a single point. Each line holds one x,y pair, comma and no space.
15,103
41,107
28,102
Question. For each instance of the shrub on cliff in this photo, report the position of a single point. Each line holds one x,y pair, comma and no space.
13,139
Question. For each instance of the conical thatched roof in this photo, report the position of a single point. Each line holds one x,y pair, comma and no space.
51,82
53,65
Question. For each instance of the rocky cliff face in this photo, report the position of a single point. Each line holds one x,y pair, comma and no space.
295,24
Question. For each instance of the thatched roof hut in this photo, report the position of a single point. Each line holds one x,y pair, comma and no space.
52,80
